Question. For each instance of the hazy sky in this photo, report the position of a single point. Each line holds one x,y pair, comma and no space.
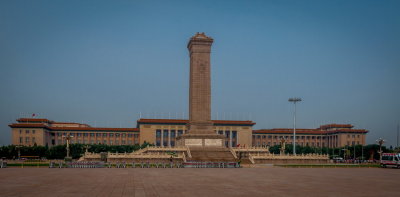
104,62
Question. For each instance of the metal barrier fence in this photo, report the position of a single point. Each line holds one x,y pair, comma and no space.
85,164
197,164
97,164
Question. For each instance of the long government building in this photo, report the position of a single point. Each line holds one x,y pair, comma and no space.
163,132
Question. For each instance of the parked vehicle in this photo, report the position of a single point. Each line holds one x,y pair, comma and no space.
390,160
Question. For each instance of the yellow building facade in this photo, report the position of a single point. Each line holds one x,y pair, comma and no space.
163,133
330,135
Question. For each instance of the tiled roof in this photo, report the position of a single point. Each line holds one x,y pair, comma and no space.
92,129
182,121
34,120
41,125
28,125
308,131
327,126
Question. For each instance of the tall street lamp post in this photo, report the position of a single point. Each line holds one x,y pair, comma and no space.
294,100
380,141
68,139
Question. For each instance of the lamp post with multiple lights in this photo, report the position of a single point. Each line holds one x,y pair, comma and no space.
380,141
294,100
68,139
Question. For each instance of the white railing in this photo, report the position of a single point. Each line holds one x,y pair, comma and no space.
233,153
188,152
302,156
251,159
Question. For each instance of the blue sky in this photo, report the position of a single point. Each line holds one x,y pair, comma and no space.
104,62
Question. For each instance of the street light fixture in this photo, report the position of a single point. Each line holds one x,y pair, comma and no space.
380,141
294,100
68,139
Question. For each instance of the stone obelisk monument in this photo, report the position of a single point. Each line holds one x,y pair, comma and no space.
200,128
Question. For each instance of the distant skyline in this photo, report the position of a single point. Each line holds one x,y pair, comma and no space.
103,63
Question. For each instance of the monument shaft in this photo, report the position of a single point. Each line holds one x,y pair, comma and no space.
199,48
200,127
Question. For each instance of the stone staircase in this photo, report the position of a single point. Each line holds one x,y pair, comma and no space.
214,154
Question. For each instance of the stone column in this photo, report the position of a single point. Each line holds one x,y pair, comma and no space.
162,138
230,138
169,138
200,84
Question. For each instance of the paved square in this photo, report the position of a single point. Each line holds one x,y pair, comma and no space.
272,181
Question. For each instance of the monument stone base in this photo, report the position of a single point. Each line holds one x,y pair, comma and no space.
201,140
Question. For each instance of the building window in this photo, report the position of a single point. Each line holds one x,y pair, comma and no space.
123,142
269,137
104,134
21,140
27,140
33,140
85,134
98,141
111,135
264,136
124,135
91,134
98,134
20,131
165,137
258,137
172,134
117,135
129,135
180,132
33,131
158,133
27,131
105,142
79,134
